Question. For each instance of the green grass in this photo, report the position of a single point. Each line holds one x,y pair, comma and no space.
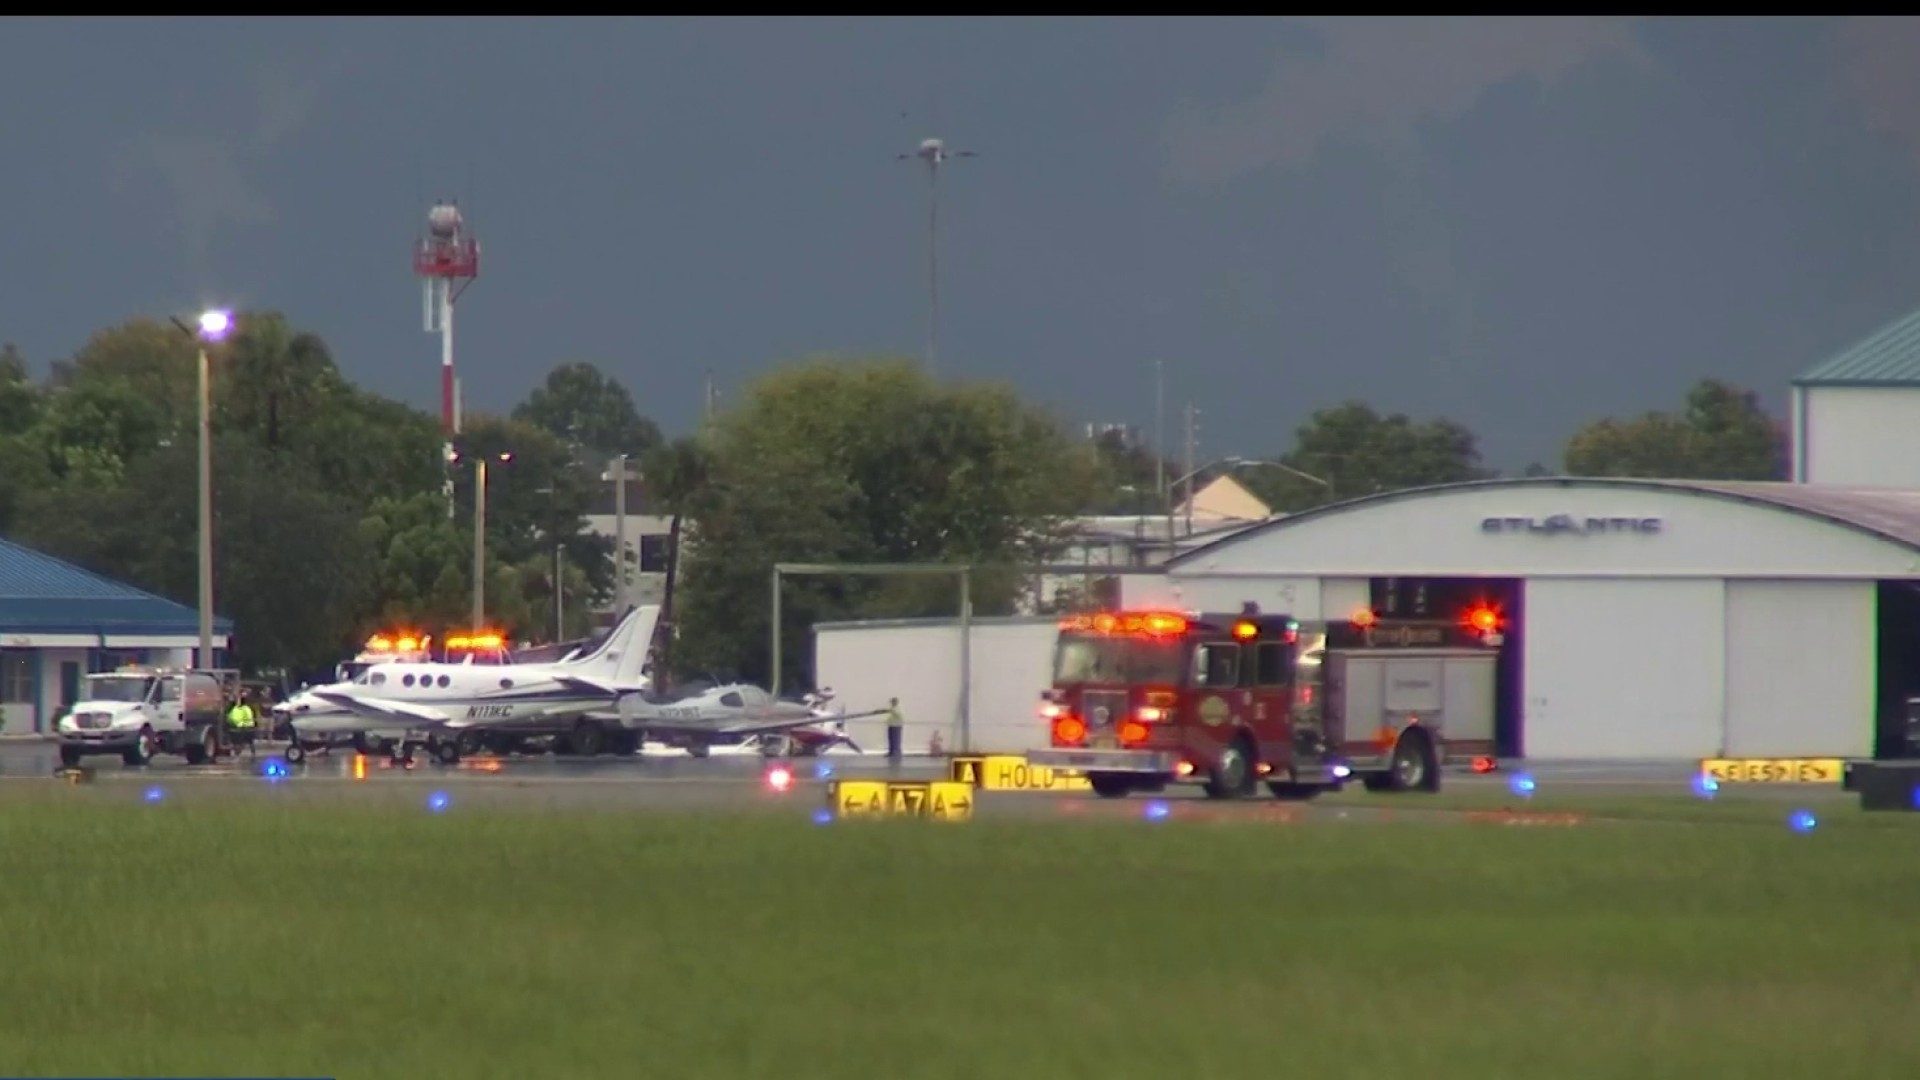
223,936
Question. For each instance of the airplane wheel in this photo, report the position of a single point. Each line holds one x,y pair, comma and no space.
295,752
588,740
446,753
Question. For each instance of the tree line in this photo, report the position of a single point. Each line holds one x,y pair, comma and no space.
1720,432
330,518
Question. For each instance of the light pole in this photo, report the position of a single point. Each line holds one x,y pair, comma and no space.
935,153
480,534
211,328
617,472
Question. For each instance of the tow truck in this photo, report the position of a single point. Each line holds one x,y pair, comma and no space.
1144,699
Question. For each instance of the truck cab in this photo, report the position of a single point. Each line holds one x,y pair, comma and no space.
1144,699
139,712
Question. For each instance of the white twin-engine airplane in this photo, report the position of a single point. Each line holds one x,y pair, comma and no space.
441,705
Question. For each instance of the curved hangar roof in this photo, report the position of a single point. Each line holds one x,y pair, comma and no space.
1819,530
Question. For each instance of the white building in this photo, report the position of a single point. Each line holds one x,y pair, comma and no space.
59,622
646,542
1856,417
1220,507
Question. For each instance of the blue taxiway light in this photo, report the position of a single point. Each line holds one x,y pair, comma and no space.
438,801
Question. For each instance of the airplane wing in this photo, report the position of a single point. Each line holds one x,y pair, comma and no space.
587,685
383,708
745,725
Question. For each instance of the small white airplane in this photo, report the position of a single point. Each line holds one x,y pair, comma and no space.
442,705
701,717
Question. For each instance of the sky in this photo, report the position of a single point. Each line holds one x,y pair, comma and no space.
1522,224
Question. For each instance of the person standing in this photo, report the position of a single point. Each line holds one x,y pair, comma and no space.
895,727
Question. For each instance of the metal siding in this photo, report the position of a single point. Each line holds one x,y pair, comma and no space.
1857,436
1341,597
1469,690
1622,670
1278,595
1800,669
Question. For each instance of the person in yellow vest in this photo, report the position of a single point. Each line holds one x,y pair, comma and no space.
894,727
240,723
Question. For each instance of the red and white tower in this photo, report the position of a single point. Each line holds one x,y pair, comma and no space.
447,259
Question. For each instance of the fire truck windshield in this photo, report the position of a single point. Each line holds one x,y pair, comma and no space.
1107,659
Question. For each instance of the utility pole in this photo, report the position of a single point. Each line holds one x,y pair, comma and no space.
1192,418
479,544
619,471
1160,429
935,153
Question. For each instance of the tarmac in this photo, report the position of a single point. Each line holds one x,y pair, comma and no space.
674,781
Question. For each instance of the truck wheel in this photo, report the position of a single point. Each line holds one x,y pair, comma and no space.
70,756
142,750
1413,767
1232,774
1111,785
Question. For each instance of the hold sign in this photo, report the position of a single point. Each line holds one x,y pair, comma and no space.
1773,770
940,800
1011,772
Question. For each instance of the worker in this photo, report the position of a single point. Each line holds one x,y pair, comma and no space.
894,726
240,722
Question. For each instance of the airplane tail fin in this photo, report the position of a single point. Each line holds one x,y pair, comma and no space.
623,655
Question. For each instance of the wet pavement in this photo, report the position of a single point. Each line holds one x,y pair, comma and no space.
729,780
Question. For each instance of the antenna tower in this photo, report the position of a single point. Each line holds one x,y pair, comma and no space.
446,259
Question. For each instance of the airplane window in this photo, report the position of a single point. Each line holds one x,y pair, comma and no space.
732,700
445,682
754,695
379,678
506,684
406,680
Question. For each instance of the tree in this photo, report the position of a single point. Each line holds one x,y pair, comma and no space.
1359,452
590,413
1129,475
866,461
1721,434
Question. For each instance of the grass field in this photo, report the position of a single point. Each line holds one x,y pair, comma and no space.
220,937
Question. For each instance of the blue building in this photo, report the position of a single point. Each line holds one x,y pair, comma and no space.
59,622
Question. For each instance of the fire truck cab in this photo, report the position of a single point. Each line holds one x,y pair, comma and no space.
1143,699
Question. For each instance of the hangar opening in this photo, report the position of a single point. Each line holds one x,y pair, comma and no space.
1897,630
1454,597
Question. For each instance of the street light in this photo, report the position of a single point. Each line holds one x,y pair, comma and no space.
211,328
480,532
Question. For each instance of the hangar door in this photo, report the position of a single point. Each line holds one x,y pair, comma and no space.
1800,668
1623,669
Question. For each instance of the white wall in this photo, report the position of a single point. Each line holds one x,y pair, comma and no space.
1443,534
1801,679
1860,436
1295,596
918,661
1623,669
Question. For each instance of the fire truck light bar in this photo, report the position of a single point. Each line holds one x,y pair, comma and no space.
1154,623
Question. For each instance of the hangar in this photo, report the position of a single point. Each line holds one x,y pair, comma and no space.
1645,619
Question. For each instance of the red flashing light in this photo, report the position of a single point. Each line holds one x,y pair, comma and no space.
1484,619
1069,730
1484,765
1131,732
1365,618
1245,631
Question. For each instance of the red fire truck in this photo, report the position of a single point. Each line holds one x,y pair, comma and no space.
1143,699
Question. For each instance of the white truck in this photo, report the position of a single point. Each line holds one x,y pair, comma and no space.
139,713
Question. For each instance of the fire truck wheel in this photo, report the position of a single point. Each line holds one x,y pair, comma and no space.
1413,766
1232,774
1110,785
